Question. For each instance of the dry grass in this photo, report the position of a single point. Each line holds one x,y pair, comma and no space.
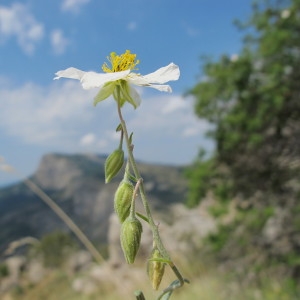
206,284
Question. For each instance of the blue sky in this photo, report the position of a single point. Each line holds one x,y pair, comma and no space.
38,38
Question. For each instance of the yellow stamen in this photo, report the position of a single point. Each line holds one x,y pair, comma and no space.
121,62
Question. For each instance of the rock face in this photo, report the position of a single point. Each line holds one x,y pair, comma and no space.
182,238
76,184
183,235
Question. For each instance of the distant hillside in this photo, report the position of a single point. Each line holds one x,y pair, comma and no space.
76,183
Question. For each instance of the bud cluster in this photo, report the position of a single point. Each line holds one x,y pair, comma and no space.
131,227
124,204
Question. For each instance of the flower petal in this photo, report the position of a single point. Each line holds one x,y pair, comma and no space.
105,92
140,80
164,74
137,79
72,73
161,87
91,80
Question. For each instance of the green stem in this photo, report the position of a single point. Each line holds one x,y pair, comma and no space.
140,185
153,226
132,207
121,140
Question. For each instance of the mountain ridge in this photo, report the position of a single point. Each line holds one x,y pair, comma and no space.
76,183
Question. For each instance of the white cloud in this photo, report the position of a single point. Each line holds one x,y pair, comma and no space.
108,138
88,139
58,41
167,115
73,5
174,105
44,116
17,21
62,116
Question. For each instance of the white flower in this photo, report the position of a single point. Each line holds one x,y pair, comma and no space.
118,79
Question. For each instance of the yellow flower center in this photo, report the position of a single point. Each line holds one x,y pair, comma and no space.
123,62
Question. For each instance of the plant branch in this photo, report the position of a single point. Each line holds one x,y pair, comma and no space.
156,237
66,219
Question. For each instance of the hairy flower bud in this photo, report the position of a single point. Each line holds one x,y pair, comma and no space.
131,232
113,164
122,200
155,268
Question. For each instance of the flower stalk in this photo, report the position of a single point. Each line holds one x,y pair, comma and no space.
117,81
154,228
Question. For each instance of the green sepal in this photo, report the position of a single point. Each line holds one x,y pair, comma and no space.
118,96
119,127
130,138
129,94
105,92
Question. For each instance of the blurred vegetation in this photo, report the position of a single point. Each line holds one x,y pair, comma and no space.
54,248
252,100
206,285
3,270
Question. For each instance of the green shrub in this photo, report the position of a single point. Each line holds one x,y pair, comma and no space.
3,270
54,248
216,241
199,176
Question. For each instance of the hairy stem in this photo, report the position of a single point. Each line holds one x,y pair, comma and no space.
153,226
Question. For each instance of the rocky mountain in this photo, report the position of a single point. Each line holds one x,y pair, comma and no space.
76,184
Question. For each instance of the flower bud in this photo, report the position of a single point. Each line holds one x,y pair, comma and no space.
155,268
131,232
122,200
113,164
